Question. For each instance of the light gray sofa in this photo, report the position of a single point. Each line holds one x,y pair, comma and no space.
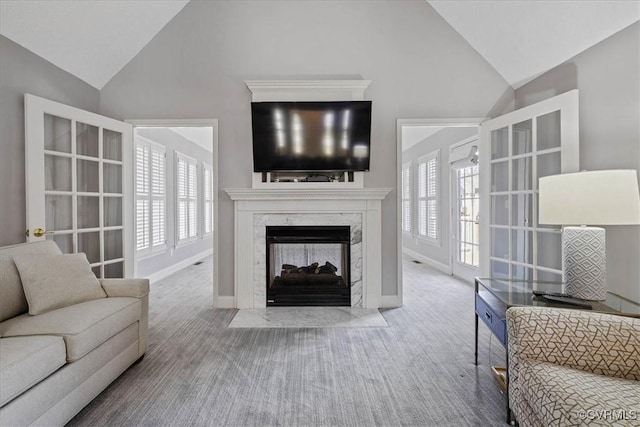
53,364
573,367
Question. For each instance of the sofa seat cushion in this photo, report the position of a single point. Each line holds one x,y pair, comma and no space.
26,361
83,326
559,395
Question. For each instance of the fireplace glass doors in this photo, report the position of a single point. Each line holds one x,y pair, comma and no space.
308,265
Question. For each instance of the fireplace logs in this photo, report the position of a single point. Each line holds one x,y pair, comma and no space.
314,274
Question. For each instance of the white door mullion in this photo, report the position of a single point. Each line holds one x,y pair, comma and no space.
149,172
101,198
534,187
510,191
74,186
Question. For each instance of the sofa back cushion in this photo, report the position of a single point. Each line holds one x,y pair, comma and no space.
55,281
12,299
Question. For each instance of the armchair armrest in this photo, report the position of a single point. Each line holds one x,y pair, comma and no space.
601,343
135,288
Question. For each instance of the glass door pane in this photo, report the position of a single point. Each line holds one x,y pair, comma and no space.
59,212
57,134
64,242
57,173
548,128
88,176
87,140
112,143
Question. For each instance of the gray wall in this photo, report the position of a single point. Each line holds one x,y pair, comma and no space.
607,77
196,67
173,255
441,140
24,72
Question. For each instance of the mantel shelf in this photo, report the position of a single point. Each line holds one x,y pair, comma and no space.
308,194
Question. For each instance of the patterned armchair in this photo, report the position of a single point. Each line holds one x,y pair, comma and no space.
573,367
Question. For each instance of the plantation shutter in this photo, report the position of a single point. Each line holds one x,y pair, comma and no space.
428,196
187,198
142,197
406,198
207,183
150,197
157,198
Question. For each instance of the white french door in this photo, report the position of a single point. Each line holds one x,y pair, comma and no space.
465,208
79,184
517,149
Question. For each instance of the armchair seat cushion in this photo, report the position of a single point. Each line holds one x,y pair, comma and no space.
559,395
26,361
83,326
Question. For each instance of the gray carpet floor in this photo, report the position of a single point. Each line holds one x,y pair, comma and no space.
417,372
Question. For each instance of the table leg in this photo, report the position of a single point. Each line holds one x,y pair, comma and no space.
476,352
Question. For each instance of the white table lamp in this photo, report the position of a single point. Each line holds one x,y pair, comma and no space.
607,197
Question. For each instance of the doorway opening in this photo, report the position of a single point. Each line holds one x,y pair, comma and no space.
438,207
175,196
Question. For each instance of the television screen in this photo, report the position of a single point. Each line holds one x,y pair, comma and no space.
311,136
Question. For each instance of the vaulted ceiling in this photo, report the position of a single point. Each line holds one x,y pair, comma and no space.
94,40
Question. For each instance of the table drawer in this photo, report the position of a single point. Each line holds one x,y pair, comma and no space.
496,322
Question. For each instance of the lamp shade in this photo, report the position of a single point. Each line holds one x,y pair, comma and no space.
607,197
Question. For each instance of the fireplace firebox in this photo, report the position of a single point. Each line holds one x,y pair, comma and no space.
308,265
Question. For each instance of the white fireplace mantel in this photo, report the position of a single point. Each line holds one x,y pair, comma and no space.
255,208
302,193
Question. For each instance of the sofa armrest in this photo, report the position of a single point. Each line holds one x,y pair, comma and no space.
601,343
135,288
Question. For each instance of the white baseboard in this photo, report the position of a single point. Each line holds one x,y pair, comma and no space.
225,302
390,301
174,268
446,269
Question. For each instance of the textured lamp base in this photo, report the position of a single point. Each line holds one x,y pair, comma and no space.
584,260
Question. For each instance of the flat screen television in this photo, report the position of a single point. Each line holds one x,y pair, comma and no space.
311,136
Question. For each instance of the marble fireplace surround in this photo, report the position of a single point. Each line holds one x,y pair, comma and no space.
359,208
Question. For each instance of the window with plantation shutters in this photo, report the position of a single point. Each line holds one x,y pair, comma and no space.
187,199
150,197
406,198
207,185
427,199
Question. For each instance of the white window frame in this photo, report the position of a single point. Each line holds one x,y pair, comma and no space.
406,196
150,197
208,204
190,161
422,195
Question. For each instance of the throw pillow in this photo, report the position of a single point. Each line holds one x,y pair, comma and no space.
56,281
